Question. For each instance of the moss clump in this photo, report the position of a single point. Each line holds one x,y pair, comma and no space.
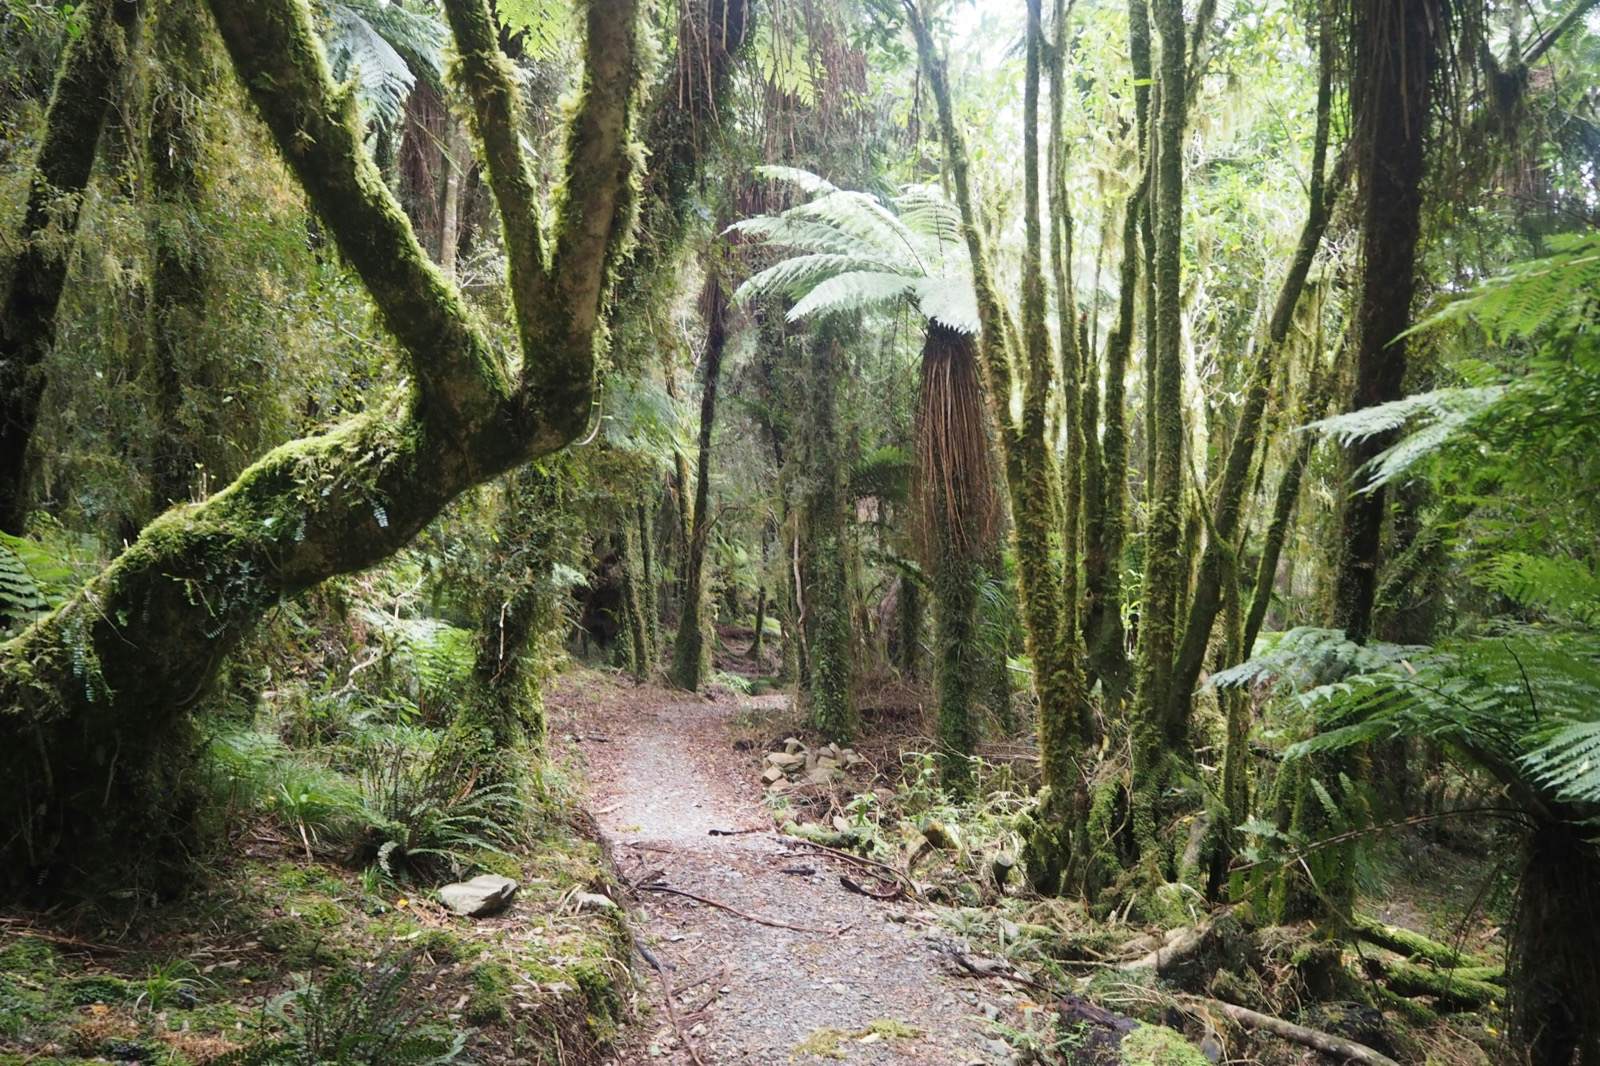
491,991
299,944
1156,1045
892,1029
83,991
823,1043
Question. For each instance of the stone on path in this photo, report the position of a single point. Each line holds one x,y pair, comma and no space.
480,897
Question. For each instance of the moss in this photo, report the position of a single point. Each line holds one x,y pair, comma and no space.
83,991
299,944
1155,1045
823,1043
491,992
892,1029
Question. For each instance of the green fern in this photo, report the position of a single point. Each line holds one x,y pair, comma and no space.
853,252
1554,292
1524,707
384,46
20,598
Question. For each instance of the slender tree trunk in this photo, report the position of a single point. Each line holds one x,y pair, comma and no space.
823,588
761,625
691,657
457,161
1228,506
91,69
1163,562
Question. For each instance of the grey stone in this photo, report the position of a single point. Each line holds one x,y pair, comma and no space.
594,903
793,746
772,775
785,761
480,897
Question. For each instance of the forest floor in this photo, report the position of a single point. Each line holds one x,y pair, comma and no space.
866,982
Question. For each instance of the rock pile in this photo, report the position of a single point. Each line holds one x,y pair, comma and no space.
798,765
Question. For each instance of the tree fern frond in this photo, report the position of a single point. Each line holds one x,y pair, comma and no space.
1564,588
798,274
804,180
1557,290
809,235
865,219
950,302
849,292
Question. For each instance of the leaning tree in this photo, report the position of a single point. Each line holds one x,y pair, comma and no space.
95,698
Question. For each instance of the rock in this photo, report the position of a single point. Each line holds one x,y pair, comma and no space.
480,897
826,762
594,903
792,746
821,775
840,824
851,758
785,761
772,775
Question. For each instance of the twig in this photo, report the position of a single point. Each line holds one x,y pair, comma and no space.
739,913
896,891
24,929
911,888
737,832
672,1012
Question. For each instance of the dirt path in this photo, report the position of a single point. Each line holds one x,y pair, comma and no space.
661,774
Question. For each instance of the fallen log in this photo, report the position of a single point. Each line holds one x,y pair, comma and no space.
1450,988
1411,945
1327,1043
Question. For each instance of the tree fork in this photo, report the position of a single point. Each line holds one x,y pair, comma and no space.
94,697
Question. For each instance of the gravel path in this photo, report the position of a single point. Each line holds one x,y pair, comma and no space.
661,774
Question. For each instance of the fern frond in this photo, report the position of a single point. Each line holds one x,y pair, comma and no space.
801,273
1555,291
849,292
804,180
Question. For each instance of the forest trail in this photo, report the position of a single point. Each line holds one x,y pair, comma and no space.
662,773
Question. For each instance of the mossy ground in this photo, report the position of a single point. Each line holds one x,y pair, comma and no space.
180,984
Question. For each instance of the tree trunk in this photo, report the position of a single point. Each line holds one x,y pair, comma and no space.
823,588
1396,52
691,654
91,68
499,723
457,161
187,61
1228,506
94,698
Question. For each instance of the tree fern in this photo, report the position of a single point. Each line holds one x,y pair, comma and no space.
384,47
1525,707
853,252
1553,292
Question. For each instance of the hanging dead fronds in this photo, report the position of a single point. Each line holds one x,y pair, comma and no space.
955,490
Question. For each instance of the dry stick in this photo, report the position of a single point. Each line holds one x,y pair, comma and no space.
672,1012
739,913
1348,1050
911,887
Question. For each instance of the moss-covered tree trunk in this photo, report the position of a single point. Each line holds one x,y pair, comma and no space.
91,70
188,63
1396,52
94,698
1228,503
1066,722
823,589
498,728
691,653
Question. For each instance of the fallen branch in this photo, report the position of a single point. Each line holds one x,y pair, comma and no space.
865,863
1327,1043
672,1012
742,914
1451,988
737,832
896,891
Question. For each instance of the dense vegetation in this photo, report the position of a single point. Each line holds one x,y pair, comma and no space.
1194,407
